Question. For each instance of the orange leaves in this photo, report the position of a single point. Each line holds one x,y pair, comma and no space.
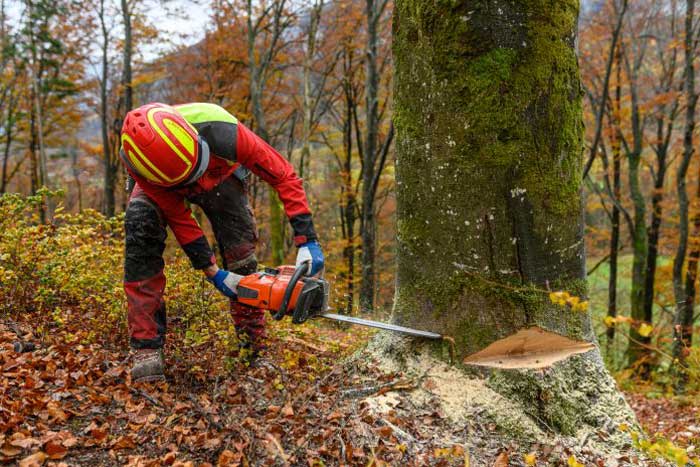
34,460
54,445
124,442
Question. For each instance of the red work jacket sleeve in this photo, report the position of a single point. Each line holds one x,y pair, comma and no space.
264,161
178,216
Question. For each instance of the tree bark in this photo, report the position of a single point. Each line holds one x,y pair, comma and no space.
367,288
126,58
683,319
109,166
350,200
635,351
314,20
489,134
615,217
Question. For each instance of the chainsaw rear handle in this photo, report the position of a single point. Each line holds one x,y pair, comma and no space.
298,274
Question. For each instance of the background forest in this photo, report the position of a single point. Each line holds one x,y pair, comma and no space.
314,77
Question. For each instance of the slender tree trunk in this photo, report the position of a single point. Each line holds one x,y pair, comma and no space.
257,85
76,178
636,351
9,133
639,260
686,318
314,20
653,238
126,58
615,221
368,287
109,166
350,204
683,319
38,169
489,135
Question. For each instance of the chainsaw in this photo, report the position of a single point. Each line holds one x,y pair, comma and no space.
287,290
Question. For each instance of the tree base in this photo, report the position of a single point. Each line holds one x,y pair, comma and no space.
573,407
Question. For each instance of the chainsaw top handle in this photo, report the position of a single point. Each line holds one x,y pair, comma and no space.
298,274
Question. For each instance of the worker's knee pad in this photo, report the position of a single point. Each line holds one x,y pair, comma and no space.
145,240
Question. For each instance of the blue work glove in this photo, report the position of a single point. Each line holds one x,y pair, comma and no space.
310,251
225,282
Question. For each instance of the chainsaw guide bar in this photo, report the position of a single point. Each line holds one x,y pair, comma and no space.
384,326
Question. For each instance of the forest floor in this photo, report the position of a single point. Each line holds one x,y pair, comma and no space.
67,403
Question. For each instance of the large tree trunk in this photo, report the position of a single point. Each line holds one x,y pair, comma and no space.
489,133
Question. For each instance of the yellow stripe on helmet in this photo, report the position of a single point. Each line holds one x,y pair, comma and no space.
180,134
146,172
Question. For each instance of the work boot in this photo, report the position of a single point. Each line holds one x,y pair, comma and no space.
148,366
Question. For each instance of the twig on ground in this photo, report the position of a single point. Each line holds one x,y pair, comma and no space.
396,385
406,437
145,395
342,446
204,413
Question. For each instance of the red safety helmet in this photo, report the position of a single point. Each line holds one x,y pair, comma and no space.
159,145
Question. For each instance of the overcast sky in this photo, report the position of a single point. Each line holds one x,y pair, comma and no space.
180,21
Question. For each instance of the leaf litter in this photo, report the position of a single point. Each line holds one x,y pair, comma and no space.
66,403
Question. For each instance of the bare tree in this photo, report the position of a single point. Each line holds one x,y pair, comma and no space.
265,41
110,163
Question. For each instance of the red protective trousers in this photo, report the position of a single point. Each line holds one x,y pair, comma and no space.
232,220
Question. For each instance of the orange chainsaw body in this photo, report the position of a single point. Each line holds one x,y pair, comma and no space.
285,290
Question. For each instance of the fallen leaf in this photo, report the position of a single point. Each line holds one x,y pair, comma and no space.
10,451
56,413
98,433
169,458
34,460
501,460
287,410
21,441
645,330
227,458
124,442
55,450
212,443
530,459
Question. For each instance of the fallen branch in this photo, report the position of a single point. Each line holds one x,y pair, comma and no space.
396,385
145,395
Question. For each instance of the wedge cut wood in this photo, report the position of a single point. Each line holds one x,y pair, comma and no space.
528,348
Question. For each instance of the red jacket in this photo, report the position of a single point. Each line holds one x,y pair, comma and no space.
231,145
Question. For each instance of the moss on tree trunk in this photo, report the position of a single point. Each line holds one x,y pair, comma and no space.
489,143
489,124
